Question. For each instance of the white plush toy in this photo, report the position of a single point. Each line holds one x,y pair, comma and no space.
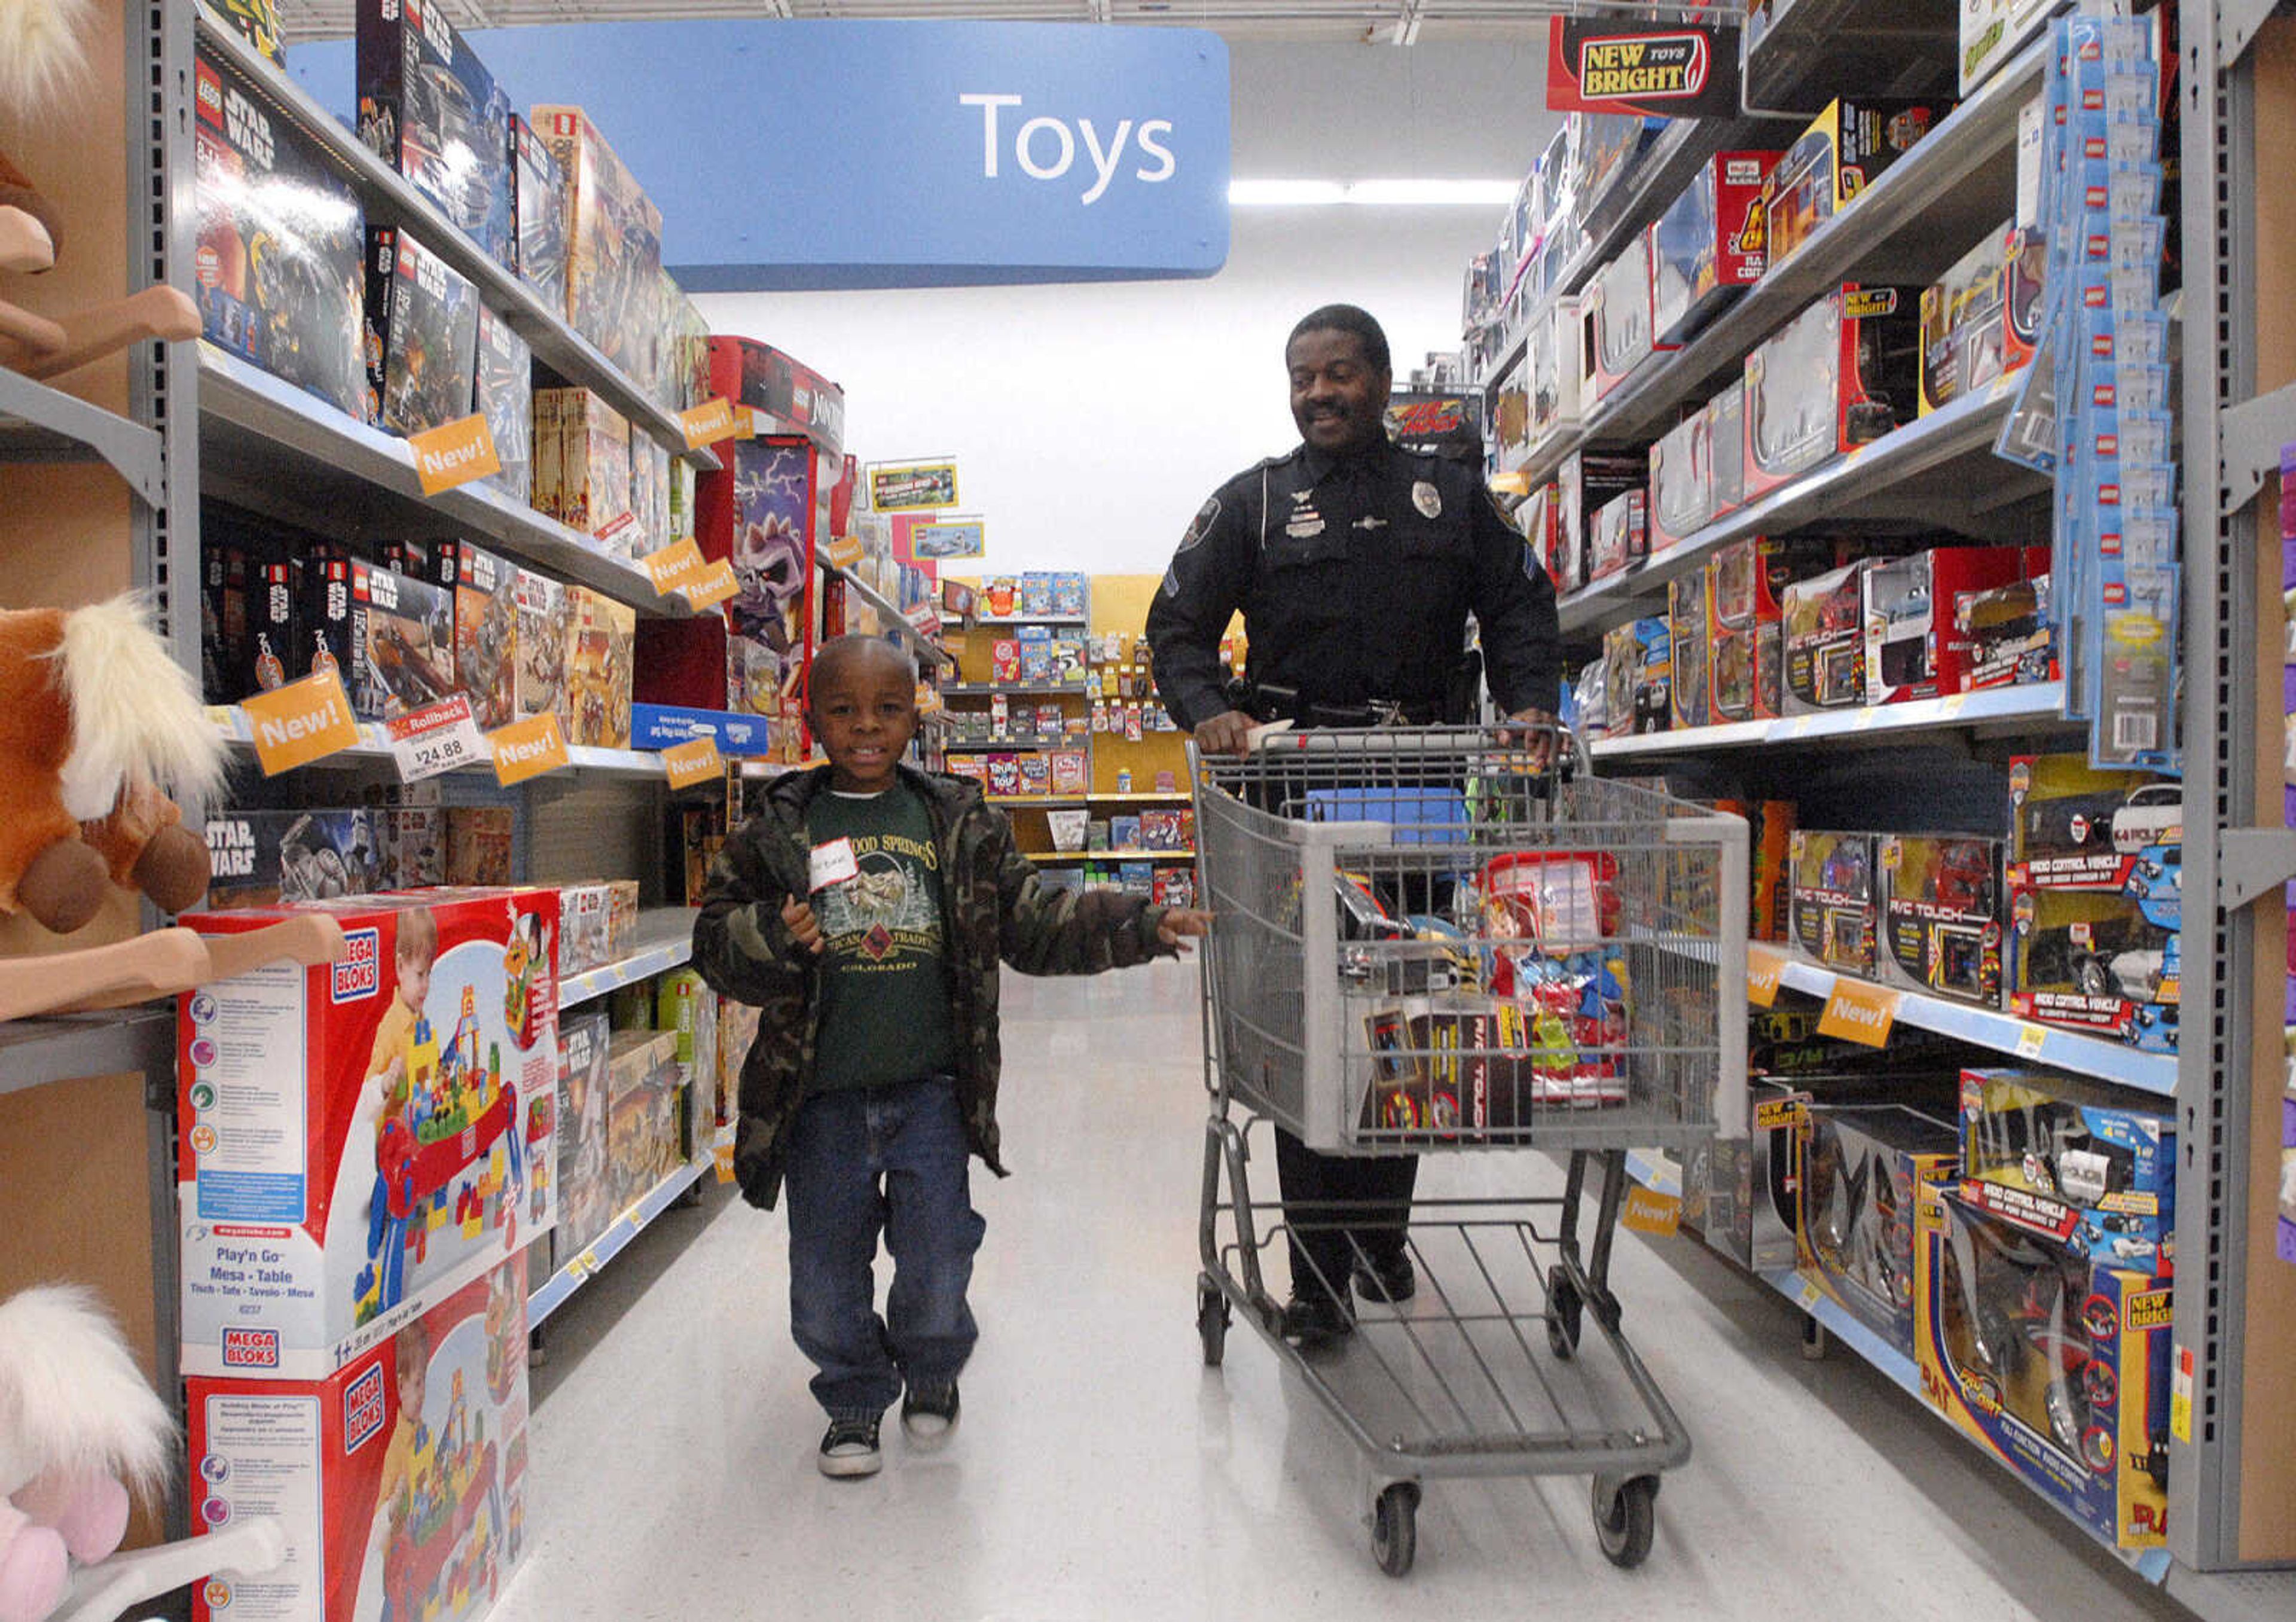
79,1427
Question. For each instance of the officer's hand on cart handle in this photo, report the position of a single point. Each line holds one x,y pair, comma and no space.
1182,921
1540,743
1227,733
803,927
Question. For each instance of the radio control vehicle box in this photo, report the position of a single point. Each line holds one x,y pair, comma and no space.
2078,826
1823,637
1832,902
2097,963
1615,321
1965,325
1842,373
2044,1153
1681,480
1941,929
1914,645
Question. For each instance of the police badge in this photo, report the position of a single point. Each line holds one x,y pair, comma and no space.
1428,499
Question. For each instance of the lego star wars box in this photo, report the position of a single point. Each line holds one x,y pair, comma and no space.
428,106
1965,324
360,1139
413,845
263,858
540,665
478,844
1941,916
645,1109
1914,645
591,442
538,212
422,336
399,1481
402,648
324,637
279,271
1708,245
1839,375
1844,150
486,632
272,588
1824,641
223,621
1863,1168
585,1204
504,397
613,236
2075,827
1833,916
2044,1153
601,644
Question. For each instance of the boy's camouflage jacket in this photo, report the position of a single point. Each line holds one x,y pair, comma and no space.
992,908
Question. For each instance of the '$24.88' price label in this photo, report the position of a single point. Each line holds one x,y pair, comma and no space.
436,738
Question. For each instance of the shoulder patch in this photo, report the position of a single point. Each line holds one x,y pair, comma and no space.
1201,525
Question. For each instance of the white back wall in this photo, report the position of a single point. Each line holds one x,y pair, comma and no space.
1090,420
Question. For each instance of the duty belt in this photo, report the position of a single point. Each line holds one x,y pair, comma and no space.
1268,702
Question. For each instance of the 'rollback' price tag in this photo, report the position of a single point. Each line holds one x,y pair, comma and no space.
438,737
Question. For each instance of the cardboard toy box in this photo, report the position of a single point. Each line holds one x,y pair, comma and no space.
539,211
1615,322
586,1203
2057,1366
1841,375
1823,640
1770,828
478,840
428,106
601,642
402,642
2012,635
1639,656
1834,914
413,842
1536,518
799,399
614,235
263,858
1914,645
1744,583
2044,1153
223,619
1682,481
1744,1196
586,932
1941,916
272,637
1552,358
1691,640
400,1481
1726,421
262,185
1965,324
257,22
644,1106
422,336
1992,31
1618,537
2075,827
1844,150
737,1030
486,631
361,1138
764,512
504,394
2095,963
544,614
593,461
1863,1168
684,1003
1709,243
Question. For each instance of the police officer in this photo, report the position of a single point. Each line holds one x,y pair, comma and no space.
1354,564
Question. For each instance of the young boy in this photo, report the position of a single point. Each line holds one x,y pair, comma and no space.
864,910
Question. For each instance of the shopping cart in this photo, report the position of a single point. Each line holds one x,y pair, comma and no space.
1425,942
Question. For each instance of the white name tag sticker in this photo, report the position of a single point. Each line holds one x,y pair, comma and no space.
833,863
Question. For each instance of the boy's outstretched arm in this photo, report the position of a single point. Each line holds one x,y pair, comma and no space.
755,938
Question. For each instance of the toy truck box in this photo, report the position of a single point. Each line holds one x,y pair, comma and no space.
1708,245
400,1481
601,642
1833,914
1844,150
1551,358
1682,481
2057,1366
1941,916
2044,1153
422,336
2095,963
2012,635
1823,640
1615,322
504,394
613,236
428,106
1691,641
264,193
2077,826
360,1139
539,212
1618,538
1914,645
1841,375
1862,1170
263,858
1965,324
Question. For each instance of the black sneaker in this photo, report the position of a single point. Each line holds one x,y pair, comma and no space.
850,1448
928,1413
1317,1323
1388,1278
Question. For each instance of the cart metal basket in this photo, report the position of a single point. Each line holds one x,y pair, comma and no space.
1433,941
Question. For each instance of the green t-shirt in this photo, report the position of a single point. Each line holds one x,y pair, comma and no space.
885,1012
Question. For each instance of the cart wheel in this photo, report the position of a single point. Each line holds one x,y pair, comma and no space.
1211,1321
1625,1519
1395,1528
1563,1308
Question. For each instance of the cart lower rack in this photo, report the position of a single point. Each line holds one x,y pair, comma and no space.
1433,942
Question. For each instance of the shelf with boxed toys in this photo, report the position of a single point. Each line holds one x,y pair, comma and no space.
374,748
663,939
552,1293
38,423
2017,708
35,1052
892,615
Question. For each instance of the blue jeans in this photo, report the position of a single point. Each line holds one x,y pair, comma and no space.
862,1160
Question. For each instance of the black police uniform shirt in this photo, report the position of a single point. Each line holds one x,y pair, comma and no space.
1356,574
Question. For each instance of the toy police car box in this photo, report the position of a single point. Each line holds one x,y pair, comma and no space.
279,270
362,1138
1833,914
1839,375
263,858
504,394
422,335
1845,150
2044,1153
2058,1366
399,1480
429,107
539,212
1941,916
1863,1169
1708,245
2077,826
2012,635
2095,963
1915,644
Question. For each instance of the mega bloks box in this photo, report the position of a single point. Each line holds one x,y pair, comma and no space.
1708,245
1618,538
1691,640
585,1195
1914,644
504,394
1841,375
362,1138
1941,916
263,858
538,212
1681,500
1823,640
428,106
422,336
1615,321
1833,909
1965,324
1844,150
402,648
399,1481
2095,963
2046,1154
1863,1168
279,272
2076,826
613,234
543,622
2058,1366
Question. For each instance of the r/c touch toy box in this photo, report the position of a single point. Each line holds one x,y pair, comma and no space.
359,1138
400,1481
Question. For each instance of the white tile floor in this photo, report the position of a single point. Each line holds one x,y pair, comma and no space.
1101,1471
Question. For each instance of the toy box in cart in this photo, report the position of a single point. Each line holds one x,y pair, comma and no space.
422,336
1863,1168
613,236
1833,916
2044,1153
2057,1365
399,1480
1710,244
1941,916
362,1138
2095,963
428,106
1841,375
1844,150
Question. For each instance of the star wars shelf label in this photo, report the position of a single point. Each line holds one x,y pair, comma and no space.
714,585
912,487
1648,1212
1859,1013
674,567
1678,72
528,748
1763,967
942,541
454,454
707,424
303,721
438,737
694,762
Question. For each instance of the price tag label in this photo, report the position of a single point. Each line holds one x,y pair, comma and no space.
1950,704
454,454
528,748
303,721
621,533
436,738
844,551
1763,969
2029,1039
691,762
1866,717
706,424
1647,1212
673,568
714,585
1806,1294
2180,1395
1859,1013
1800,726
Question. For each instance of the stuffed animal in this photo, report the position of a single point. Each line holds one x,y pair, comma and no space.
79,1427
98,725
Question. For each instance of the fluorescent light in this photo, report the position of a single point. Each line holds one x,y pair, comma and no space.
1373,194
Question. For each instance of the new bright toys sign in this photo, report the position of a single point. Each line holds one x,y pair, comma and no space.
814,154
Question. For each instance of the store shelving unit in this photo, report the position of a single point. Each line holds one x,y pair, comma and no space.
38,423
1017,690
545,1298
891,617
1092,856
2019,712
374,749
35,1052
662,941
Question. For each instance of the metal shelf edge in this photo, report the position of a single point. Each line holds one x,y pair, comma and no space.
62,1048
374,745
2039,702
673,946
551,1295
884,605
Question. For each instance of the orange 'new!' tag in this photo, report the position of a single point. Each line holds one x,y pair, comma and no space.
712,586
528,748
1763,969
696,761
454,455
303,721
674,566
706,424
1859,1013
1648,1212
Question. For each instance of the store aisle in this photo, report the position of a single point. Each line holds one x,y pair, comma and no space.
1103,1472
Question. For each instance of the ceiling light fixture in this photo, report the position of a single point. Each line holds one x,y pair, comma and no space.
1372,193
